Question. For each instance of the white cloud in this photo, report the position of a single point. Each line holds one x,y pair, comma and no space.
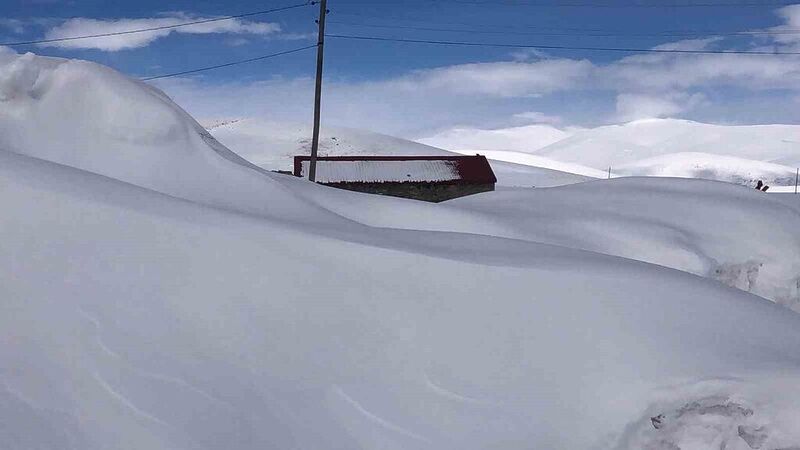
642,106
690,44
83,26
538,117
682,71
791,17
501,79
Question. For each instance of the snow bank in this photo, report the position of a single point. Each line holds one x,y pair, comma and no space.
733,234
136,320
736,235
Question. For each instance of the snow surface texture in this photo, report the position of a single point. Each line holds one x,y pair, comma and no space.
650,147
738,236
136,313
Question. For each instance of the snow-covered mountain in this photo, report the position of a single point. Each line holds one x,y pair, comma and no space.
157,291
650,147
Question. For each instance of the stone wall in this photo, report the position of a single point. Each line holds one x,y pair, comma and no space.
429,192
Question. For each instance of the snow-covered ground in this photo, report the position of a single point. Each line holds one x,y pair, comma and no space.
159,292
649,147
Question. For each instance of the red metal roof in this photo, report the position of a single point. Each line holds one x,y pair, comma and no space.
371,169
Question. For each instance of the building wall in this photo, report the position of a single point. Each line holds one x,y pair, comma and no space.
429,192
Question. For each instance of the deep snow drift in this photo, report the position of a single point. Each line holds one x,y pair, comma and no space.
133,319
738,236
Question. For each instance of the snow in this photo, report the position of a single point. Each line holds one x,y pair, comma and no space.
517,139
624,144
378,171
712,167
272,145
648,147
158,292
735,235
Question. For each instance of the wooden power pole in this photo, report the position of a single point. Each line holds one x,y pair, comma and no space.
312,167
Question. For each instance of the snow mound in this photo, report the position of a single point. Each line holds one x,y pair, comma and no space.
91,117
735,235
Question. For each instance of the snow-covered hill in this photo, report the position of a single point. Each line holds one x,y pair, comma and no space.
159,292
518,139
650,147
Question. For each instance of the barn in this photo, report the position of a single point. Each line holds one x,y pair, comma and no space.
428,178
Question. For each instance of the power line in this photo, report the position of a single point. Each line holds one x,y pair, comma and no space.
620,5
668,33
556,47
587,33
164,27
234,63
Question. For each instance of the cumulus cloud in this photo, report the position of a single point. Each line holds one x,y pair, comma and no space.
84,26
681,71
501,79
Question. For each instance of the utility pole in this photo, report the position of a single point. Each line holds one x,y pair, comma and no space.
312,167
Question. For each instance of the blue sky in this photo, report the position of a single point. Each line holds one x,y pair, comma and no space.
411,89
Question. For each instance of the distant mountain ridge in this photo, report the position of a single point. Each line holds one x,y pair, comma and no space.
652,147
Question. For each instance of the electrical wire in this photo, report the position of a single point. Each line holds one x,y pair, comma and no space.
587,33
556,47
234,63
667,33
164,27
620,5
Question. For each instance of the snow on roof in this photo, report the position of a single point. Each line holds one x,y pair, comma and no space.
397,169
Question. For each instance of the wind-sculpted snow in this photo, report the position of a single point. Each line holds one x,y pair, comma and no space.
88,116
157,292
738,236
136,320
